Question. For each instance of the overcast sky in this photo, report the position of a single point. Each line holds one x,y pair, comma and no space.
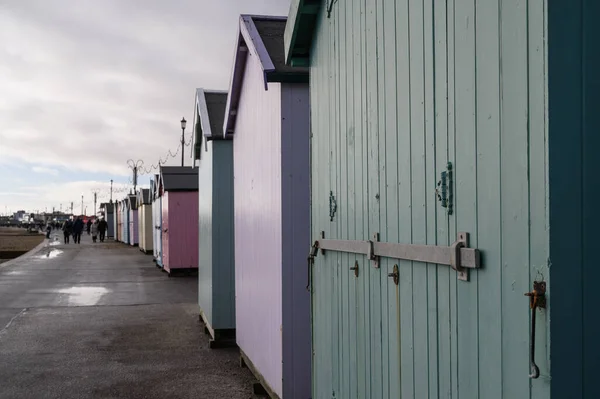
86,85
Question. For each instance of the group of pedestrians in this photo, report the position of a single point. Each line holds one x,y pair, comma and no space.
75,229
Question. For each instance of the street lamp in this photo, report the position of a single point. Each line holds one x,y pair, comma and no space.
183,123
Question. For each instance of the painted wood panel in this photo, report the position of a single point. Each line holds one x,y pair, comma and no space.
398,90
295,227
223,235
573,140
271,215
180,230
257,218
216,275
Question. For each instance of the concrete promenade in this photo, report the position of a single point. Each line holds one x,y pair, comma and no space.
101,321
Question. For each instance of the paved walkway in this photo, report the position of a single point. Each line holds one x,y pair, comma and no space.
101,321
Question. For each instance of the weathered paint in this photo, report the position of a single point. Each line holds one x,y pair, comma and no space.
400,88
119,221
216,266
271,214
180,230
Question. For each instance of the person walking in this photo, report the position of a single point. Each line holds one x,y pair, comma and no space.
94,230
48,230
67,231
102,227
77,230
89,226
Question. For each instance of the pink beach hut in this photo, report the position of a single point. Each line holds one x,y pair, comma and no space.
179,187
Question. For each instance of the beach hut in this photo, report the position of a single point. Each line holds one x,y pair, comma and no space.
179,192
157,220
267,113
109,216
133,219
125,220
458,147
216,268
144,201
118,221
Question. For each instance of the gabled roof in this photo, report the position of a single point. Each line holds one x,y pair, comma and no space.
179,178
131,202
299,30
143,196
262,36
209,112
156,186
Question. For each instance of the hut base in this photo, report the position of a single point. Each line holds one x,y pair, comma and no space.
181,272
260,388
219,338
146,251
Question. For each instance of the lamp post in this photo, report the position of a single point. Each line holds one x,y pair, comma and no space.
135,166
183,123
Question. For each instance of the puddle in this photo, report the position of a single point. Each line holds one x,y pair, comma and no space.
53,253
53,243
84,296
14,273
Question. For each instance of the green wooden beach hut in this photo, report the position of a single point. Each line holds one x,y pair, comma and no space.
453,196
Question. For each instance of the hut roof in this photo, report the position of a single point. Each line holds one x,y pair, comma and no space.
208,117
179,178
299,32
262,36
144,197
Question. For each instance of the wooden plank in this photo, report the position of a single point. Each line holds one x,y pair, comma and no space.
388,150
514,193
488,199
465,190
373,54
430,199
451,39
364,359
538,189
444,274
404,197
418,196
352,59
343,213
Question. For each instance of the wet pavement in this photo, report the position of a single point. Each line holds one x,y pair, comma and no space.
102,321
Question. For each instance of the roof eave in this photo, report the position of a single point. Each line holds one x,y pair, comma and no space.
299,31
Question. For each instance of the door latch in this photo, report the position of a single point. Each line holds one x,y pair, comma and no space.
537,299
355,268
444,190
395,274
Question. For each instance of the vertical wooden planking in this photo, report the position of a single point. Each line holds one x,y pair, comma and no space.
538,192
430,199
404,196
389,205
372,275
452,99
353,33
488,199
362,337
441,158
318,183
334,264
343,211
514,165
465,193
417,182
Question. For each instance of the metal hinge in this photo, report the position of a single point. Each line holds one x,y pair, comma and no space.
458,256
